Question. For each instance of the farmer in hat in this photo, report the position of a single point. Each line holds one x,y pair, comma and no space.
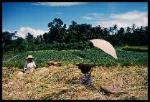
30,64
86,69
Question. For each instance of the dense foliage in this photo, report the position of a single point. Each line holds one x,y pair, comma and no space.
76,36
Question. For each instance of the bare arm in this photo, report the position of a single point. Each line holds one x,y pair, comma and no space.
34,64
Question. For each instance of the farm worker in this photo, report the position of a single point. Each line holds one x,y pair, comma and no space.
30,64
86,69
86,79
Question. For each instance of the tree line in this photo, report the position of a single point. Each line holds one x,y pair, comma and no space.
76,36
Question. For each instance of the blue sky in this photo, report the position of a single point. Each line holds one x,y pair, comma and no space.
34,16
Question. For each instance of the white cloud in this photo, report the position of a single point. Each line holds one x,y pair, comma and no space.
87,17
122,20
60,3
3,30
23,31
95,16
125,19
130,15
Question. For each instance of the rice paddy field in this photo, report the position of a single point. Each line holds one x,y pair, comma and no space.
129,73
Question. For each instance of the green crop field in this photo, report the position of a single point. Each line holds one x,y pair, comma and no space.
92,56
62,82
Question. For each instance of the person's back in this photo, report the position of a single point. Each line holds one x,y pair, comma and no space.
86,70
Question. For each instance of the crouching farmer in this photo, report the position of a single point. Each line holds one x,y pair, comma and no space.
29,66
86,69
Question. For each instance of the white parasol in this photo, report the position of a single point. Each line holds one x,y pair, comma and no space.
105,46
